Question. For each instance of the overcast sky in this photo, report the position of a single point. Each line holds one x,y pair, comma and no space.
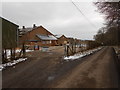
57,17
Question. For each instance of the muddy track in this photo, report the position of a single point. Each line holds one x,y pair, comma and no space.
99,71
49,70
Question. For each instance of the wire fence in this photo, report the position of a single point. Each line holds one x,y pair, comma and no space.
72,49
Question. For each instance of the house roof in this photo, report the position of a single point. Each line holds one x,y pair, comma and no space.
23,31
32,40
26,29
29,29
9,21
58,36
46,37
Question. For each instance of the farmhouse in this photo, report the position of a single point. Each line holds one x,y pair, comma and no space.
37,35
62,39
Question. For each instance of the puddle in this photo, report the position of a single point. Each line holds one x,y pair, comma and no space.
50,78
50,53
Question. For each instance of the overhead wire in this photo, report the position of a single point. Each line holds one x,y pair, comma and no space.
83,14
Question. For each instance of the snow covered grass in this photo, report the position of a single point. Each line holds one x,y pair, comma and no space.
76,56
3,66
79,55
16,51
29,50
8,52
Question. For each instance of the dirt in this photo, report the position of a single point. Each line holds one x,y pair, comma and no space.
99,71
50,70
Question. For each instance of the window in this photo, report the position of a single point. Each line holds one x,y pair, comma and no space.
46,42
50,41
43,42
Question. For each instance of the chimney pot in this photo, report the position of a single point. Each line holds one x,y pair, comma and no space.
23,27
34,25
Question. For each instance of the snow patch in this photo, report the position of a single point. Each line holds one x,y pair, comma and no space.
2,66
8,52
76,56
29,50
51,78
79,55
18,50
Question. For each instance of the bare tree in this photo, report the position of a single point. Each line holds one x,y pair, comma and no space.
112,17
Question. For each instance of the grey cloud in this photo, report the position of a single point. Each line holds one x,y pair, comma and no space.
58,17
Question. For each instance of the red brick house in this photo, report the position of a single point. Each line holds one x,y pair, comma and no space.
62,39
37,36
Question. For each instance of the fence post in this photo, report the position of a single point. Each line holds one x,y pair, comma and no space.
75,47
11,54
24,51
72,49
5,55
65,51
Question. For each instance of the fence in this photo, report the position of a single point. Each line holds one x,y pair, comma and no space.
11,54
73,48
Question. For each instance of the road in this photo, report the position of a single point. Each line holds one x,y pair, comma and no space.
49,70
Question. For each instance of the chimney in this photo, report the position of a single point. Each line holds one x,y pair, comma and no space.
34,25
23,27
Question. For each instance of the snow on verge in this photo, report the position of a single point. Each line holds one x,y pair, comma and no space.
2,66
27,50
16,51
79,55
